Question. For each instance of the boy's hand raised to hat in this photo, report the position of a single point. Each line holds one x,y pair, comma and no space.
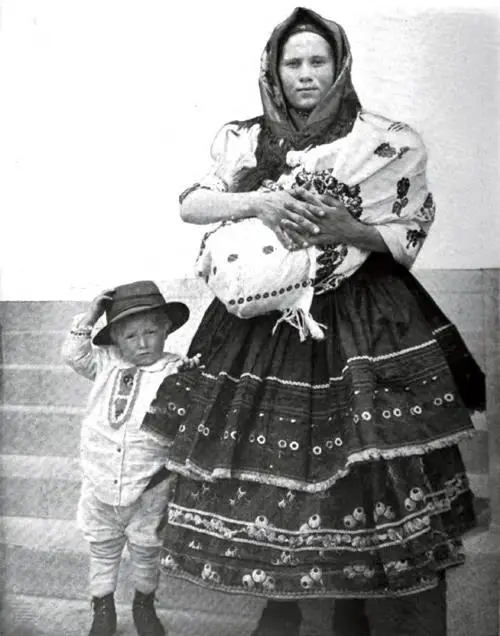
97,307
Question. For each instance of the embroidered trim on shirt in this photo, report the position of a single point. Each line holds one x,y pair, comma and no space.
123,396
81,331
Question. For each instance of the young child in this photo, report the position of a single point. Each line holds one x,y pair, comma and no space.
124,485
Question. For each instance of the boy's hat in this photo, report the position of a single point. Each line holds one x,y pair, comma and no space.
137,298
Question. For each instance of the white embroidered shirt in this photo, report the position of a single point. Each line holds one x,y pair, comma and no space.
117,457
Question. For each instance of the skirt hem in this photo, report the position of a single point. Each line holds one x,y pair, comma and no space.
193,471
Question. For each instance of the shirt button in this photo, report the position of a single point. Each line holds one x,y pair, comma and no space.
115,481
119,449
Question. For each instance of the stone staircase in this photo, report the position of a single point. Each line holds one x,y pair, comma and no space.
44,556
44,577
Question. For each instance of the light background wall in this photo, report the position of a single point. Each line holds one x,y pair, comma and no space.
108,109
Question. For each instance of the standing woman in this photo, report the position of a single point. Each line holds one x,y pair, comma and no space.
324,468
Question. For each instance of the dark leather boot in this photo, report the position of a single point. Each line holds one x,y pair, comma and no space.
104,623
146,621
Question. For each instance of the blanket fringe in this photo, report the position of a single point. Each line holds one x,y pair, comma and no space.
303,322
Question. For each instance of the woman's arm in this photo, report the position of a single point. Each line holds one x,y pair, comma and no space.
204,206
207,206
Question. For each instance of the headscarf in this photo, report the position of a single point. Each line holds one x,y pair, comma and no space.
331,119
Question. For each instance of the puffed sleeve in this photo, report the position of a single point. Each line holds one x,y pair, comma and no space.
400,204
232,150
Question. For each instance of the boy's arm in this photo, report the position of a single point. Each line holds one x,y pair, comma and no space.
77,349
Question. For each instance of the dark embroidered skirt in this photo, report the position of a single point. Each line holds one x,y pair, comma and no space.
323,468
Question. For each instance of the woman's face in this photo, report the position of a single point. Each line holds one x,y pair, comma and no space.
306,69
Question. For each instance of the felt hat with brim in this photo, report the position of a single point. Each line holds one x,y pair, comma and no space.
137,298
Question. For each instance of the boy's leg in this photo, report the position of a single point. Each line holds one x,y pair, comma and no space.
105,557
104,531
142,533
144,547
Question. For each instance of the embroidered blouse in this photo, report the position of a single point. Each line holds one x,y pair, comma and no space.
117,457
377,171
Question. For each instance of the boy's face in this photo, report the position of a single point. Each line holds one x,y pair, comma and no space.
141,338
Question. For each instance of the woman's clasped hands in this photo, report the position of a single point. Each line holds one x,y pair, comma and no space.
300,218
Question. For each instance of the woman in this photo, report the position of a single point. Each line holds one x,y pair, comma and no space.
324,468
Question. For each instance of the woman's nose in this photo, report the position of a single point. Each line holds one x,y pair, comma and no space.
305,74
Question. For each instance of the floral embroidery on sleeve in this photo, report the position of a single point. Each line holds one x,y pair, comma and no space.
403,187
414,238
385,150
428,210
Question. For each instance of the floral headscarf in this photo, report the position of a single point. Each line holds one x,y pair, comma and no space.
331,119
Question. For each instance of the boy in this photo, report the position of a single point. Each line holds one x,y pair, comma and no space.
124,485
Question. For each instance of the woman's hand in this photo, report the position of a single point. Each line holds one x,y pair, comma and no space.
336,224
277,207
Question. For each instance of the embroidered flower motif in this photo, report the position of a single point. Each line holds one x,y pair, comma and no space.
402,187
268,249
314,522
396,566
306,582
385,150
259,576
286,558
379,509
261,521
410,505
269,583
428,210
316,574
416,494
359,514
324,182
414,237
248,581
232,257
168,562
358,570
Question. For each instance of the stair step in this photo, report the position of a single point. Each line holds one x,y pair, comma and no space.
57,314
32,347
43,431
41,616
43,487
46,557
43,385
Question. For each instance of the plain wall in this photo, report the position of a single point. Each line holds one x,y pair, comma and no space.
108,109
